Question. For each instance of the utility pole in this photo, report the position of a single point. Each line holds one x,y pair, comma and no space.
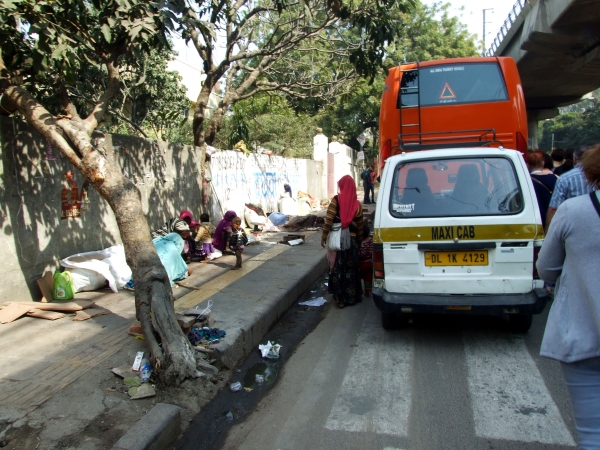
484,22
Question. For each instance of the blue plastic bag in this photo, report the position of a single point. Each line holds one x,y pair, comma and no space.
277,218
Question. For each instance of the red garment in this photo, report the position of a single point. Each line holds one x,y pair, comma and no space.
347,200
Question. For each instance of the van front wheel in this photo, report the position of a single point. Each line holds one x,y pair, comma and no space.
520,322
392,321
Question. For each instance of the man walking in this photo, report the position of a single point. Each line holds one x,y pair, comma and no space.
571,184
366,179
372,175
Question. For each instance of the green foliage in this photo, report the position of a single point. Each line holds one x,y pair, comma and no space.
269,123
61,37
426,33
581,126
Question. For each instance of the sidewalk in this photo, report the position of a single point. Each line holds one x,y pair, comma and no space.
56,385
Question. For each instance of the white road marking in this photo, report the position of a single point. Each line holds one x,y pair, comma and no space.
376,391
508,395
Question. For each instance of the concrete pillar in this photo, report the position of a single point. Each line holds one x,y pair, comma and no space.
532,131
533,117
320,147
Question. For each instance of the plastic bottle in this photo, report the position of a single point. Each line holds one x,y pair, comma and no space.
145,373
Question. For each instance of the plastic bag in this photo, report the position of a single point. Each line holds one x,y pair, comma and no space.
270,227
252,218
214,255
87,280
334,237
110,263
63,288
277,218
270,350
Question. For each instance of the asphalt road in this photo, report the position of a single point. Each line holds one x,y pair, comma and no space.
441,383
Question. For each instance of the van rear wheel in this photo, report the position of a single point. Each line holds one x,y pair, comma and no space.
520,322
392,321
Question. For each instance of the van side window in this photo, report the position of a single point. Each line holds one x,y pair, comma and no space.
455,187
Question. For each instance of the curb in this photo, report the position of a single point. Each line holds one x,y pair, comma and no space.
246,331
155,431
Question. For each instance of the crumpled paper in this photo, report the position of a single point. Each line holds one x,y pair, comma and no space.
269,350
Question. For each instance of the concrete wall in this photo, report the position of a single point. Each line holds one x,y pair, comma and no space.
35,238
259,179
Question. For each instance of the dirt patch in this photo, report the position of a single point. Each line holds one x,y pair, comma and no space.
95,411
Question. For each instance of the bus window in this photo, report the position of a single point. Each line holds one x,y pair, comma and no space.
462,83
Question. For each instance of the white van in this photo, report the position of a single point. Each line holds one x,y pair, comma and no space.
457,231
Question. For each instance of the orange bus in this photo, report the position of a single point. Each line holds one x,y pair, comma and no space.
458,102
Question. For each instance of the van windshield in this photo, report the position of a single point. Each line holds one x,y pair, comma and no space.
455,187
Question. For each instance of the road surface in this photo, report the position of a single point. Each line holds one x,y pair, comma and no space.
441,383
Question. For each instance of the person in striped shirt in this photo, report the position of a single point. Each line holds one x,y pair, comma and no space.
571,184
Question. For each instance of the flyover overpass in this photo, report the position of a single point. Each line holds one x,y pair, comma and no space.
556,44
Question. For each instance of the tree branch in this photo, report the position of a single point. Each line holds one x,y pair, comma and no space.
112,89
42,120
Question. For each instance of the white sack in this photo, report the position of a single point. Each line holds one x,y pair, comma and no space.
87,280
110,263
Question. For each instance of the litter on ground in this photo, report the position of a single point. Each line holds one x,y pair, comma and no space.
320,301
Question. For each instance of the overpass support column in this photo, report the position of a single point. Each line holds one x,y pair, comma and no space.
533,117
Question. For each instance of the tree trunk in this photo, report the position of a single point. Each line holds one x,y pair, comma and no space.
153,295
215,124
175,361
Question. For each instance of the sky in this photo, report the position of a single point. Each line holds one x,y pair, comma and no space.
189,64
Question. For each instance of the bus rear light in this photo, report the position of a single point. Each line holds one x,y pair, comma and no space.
378,270
521,143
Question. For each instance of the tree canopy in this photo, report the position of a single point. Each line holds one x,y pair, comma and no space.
45,45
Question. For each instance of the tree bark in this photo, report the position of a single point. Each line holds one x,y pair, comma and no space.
176,360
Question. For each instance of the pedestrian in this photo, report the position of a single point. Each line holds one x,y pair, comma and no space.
365,256
365,176
570,257
543,183
548,164
558,158
344,208
237,241
571,184
372,176
223,232
567,163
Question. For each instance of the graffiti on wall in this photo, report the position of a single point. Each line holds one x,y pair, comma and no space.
257,179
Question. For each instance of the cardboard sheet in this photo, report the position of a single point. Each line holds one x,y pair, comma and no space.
13,312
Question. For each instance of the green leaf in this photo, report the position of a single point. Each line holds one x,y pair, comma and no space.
106,32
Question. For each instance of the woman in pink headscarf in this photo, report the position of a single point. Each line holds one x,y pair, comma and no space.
344,274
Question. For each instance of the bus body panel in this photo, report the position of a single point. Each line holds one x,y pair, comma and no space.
505,117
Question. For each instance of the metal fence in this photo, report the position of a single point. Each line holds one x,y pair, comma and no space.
507,25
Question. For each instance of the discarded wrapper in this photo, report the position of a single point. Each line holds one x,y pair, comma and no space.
137,363
269,350
320,301
234,387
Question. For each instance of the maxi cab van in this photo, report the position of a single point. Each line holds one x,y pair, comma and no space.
457,231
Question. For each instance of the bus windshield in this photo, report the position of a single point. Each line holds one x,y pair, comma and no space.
452,84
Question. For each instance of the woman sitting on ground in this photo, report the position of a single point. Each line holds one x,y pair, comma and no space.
223,232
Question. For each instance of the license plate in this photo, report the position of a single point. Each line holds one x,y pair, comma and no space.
470,258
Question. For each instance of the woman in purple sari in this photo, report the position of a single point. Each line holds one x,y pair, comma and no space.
223,232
